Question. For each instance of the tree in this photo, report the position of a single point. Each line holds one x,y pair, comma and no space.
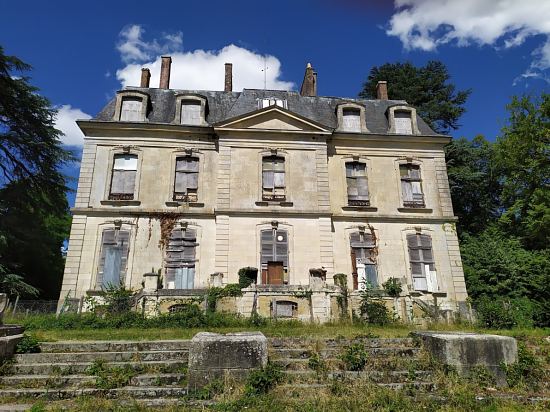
34,217
426,88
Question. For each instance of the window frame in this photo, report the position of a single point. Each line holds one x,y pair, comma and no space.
422,261
187,262
145,99
340,117
274,197
356,202
194,98
370,246
123,150
411,204
402,108
184,152
187,196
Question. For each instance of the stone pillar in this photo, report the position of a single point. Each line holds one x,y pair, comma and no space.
382,90
214,356
150,282
165,72
145,77
228,84
216,279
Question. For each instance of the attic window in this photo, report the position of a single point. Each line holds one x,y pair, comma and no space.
191,112
263,103
403,123
351,120
131,109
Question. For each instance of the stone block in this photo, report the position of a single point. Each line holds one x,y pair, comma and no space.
215,356
464,351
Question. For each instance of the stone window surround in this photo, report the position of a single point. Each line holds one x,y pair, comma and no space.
198,231
180,98
131,93
279,153
417,162
340,117
424,231
112,224
368,170
185,152
401,108
122,150
346,239
290,234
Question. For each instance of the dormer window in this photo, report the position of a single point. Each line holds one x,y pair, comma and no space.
263,103
403,123
351,120
402,120
191,112
131,106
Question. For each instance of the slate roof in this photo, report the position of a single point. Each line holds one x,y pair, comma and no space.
226,105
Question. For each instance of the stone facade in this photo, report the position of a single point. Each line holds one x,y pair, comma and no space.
225,215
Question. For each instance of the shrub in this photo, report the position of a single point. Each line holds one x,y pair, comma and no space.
504,313
261,381
317,363
118,299
28,345
372,308
216,293
110,377
393,287
355,357
247,276
527,371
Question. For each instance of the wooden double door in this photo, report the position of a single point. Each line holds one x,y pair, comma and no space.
274,274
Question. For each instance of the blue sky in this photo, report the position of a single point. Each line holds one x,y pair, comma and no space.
495,47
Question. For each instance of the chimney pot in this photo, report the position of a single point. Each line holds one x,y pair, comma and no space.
165,72
309,85
145,77
382,90
228,84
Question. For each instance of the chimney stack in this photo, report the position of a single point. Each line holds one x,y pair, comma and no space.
145,77
309,85
228,85
382,90
165,72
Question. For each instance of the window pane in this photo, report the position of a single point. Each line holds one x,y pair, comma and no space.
279,180
191,112
192,180
129,181
125,162
403,124
187,164
352,187
406,189
180,185
416,269
131,109
267,180
403,170
427,255
414,255
414,172
117,182
372,276
416,188
362,187
351,120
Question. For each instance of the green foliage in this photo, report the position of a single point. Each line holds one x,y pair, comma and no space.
261,381
393,287
118,299
528,371
208,391
372,308
110,377
317,363
341,281
247,276
480,376
216,293
355,357
426,88
505,313
28,344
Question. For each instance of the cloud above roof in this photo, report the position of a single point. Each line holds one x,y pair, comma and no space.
503,24
198,69
65,121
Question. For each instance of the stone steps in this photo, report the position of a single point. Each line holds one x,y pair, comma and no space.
290,343
373,376
417,385
80,357
304,353
114,346
135,392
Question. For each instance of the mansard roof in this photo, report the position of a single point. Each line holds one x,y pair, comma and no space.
227,105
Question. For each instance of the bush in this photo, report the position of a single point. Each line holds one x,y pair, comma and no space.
28,345
355,357
373,310
528,371
505,313
393,287
261,381
216,293
247,276
118,299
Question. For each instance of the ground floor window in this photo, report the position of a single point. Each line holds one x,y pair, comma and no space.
363,260
113,258
274,256
180,259
422,262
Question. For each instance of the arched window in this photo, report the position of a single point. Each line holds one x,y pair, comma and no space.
180,259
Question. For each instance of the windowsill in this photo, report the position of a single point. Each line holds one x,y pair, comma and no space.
360,208
95,292
282,203
414,210
417,293
175,203
121,202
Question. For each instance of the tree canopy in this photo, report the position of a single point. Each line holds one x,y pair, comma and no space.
426,88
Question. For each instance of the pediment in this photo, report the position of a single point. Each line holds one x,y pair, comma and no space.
272,119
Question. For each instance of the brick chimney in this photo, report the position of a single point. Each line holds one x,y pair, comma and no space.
228,84
145,77
382,90
309,85
165,72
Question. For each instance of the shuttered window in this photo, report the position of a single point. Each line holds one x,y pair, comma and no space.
403,123
363,246
351,120
131,109
421,260
273,178
186,179
411,185
113,258
123,178
356,179
191,112
180,259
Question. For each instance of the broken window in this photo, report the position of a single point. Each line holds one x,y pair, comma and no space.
124,177
422,262
403,123
131,109
180,259
363,255
274,256
351,120
191,112
411,185
186,180
273,178
356,178
113,258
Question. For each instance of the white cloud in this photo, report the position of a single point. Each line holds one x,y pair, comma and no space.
426,24
65,121
198,69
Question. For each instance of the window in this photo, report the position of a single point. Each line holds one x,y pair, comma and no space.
131,109
411,185
123,179
356,178
180,259
113,258
351,120
274,256
186,181
285,309
273,178
263,103
403,124
191,112
363,260
422,262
